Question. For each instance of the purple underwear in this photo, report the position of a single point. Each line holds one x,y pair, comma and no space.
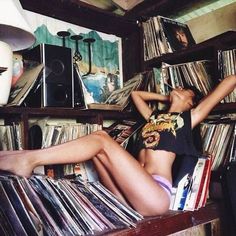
164,183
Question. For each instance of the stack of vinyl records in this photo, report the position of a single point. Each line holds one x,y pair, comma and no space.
195,73
45,133
227,61
45,206
162,35
11,137
218,138
226,65
192,189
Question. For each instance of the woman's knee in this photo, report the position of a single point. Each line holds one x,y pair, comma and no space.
103,137
101,134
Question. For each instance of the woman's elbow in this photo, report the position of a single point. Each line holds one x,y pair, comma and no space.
231,79
134,94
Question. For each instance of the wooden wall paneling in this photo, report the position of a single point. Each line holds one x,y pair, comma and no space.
79,13
131,51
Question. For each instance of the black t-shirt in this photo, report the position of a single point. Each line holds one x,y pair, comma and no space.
169,131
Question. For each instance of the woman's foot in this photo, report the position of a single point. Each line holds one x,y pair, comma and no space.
16,162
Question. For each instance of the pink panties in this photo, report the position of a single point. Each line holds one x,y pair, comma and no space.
164,183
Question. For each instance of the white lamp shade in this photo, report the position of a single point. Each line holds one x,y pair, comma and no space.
6,76
14,30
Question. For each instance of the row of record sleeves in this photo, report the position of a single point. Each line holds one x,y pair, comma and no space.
191,192
45,206
227,62
161,35
11,137
194,73
227,66
219,139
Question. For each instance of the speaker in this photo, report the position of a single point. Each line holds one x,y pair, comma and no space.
57,85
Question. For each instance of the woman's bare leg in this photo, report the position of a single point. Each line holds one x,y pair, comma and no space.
107,180
103,174
10,152
138,187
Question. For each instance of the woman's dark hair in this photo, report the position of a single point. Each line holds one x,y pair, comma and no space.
198,95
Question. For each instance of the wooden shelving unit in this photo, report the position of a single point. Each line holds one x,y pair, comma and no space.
24,114
126,27
173,222
205,50
65,113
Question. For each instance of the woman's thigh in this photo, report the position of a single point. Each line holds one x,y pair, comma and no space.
138,186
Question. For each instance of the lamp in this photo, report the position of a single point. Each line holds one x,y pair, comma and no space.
15,35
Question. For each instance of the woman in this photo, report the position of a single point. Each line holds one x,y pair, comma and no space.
145,184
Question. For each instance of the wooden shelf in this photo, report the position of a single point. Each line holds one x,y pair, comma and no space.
172,222
65,112
24,114
224,108
89,113
205,50
79,13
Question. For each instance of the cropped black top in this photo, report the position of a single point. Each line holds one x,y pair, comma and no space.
168,131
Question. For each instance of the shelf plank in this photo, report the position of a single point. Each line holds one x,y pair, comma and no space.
106,114
224,108
172,222
65,112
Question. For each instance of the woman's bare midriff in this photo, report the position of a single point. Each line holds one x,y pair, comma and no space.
157,162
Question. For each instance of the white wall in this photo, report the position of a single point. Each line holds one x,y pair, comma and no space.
213,23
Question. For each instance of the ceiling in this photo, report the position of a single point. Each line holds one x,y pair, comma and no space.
119,7
108,15
192,10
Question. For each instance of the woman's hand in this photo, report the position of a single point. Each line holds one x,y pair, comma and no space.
140,99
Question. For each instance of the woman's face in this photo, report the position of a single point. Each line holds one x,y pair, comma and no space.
183,95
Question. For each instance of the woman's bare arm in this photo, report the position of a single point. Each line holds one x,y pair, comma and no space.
226,86
140,99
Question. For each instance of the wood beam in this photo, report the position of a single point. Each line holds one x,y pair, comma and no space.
80,13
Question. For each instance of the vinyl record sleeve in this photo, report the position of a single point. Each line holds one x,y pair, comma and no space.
10,213
103,208
20,208
49,225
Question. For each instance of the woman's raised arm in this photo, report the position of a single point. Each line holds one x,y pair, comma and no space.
140,99
205,106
